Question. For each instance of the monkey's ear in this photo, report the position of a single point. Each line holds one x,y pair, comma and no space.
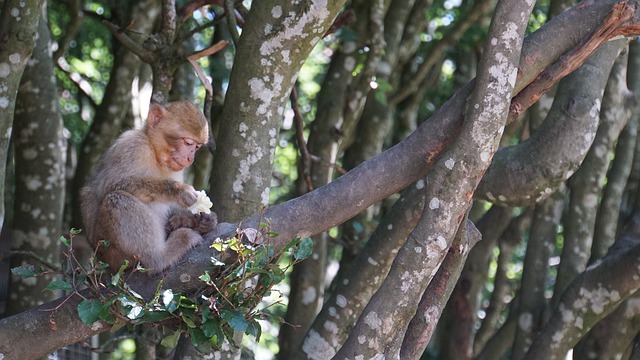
156,113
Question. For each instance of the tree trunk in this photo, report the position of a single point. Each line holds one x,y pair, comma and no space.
40,153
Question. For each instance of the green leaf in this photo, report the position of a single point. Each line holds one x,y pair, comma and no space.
59,285
290,244
235,319
170,301
200,341
205,277
276,273
171,341
304,249
228,334
205,310
75,231
27,270
212,328
254,329
116,278
132,309
100,265
153,316
65,241
263,255
188,321
381,96
219,246
135,313
272,317
89,311
187,304
235,245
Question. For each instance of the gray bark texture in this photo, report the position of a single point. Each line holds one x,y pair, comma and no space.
40,157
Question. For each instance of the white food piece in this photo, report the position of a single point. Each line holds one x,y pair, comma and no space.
202,205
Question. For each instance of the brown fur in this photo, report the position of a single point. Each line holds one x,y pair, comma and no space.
137,188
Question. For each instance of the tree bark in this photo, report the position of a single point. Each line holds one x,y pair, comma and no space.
593,295
18,29
40,157
386,316
585,86
308,278
272,56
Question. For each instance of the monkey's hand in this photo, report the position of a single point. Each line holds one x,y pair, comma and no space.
188,196
202,223
205,223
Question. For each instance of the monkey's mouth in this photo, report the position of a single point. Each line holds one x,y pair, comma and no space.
177,165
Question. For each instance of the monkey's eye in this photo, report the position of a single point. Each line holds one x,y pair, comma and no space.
188,142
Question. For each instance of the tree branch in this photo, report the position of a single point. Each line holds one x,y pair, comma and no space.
620,14
591,296
144,54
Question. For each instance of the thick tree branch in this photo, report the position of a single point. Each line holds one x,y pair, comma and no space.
448,193
591,296
435,298
532,170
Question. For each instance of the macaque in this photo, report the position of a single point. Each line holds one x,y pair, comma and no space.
136,199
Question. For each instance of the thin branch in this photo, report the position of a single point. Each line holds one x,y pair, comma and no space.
328,163
34,256
198,29
611,27
302,144
169,20
193,60
229,9
144,55
210,50
185,12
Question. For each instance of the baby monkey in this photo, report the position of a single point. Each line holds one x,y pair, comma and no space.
136,199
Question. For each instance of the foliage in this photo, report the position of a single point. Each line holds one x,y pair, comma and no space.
229,302
84,70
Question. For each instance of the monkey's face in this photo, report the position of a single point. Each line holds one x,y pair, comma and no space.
184,152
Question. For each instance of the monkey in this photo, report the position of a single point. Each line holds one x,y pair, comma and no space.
136,200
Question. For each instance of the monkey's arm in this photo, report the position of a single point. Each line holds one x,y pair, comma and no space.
149,189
